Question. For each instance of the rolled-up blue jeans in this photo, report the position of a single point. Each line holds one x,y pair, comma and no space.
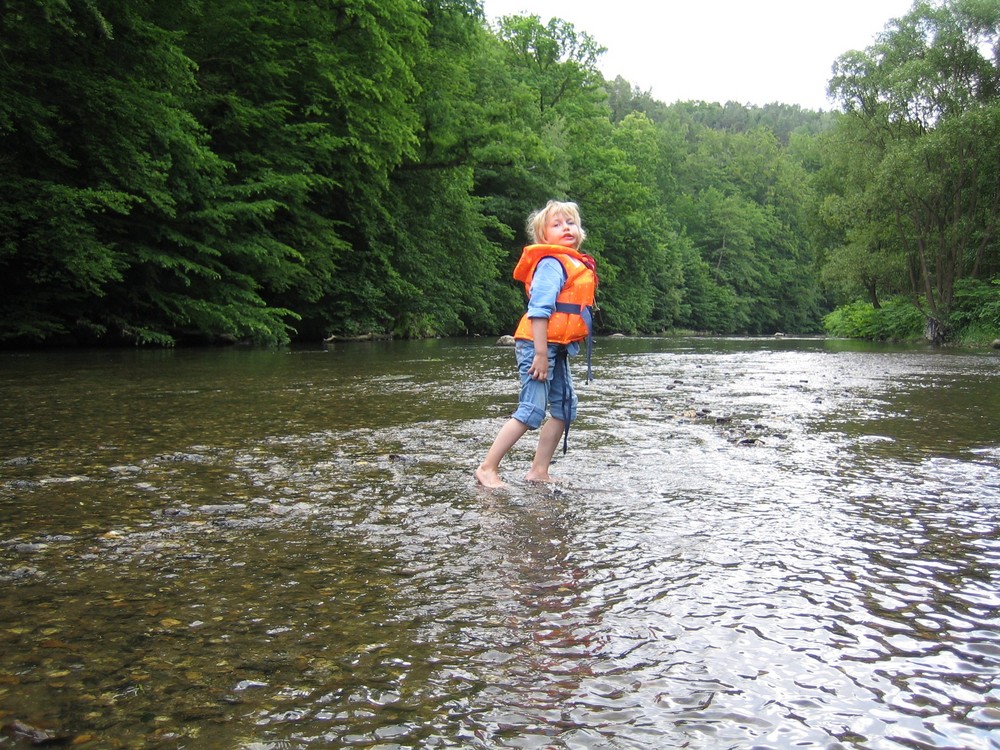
556,391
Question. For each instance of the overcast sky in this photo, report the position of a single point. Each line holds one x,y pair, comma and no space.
748,51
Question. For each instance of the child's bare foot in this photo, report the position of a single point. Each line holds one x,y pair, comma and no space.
489,478
538,476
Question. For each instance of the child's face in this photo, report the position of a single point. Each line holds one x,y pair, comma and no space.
561,229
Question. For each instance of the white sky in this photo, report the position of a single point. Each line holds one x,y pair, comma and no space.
747,51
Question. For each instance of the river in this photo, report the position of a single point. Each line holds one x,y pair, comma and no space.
755,543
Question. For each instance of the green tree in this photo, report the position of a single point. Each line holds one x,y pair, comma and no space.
921,107
741,205
625,98
545,76
452,202
613,171
281,168
110,221
555,61
315,108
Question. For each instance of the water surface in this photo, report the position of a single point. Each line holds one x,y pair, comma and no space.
755,544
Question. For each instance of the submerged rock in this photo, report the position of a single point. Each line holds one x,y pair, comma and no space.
23,572
221,509
19,731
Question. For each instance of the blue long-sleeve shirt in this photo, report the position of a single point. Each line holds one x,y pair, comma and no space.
547,282
545,287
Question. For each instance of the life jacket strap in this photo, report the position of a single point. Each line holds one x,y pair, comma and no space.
567,405
584,311
588,318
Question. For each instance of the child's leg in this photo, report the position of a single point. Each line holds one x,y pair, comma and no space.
548,439
488,473
528,416
563,401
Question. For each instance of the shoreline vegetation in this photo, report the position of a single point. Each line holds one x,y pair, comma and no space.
220,173
976,341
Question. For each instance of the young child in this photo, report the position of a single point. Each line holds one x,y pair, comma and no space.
560,282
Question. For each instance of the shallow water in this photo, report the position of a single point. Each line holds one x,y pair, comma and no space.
756,544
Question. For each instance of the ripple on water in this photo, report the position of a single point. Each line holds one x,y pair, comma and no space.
730,562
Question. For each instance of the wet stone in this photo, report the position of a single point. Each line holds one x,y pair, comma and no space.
25,572
20,461
221,509
28,548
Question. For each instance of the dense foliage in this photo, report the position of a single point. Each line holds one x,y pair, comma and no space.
913,166
895,320
279,169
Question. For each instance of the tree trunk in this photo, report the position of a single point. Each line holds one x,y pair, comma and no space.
873,294
935,331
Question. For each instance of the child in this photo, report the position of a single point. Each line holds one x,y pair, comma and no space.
560,282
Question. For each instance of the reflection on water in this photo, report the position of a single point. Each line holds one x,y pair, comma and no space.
757,543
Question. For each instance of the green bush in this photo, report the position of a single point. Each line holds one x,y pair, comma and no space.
897,320
976,303
975,315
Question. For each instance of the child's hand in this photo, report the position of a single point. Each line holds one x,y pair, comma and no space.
539,369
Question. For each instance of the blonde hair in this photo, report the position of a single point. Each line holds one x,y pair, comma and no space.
538,219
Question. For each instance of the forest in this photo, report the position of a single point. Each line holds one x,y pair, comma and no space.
271,171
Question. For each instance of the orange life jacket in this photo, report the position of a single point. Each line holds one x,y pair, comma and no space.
572,318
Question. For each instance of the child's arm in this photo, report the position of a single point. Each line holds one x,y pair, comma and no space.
545,285
539,369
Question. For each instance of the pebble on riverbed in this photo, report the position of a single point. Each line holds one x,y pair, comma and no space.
22,573
18,730
738,433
